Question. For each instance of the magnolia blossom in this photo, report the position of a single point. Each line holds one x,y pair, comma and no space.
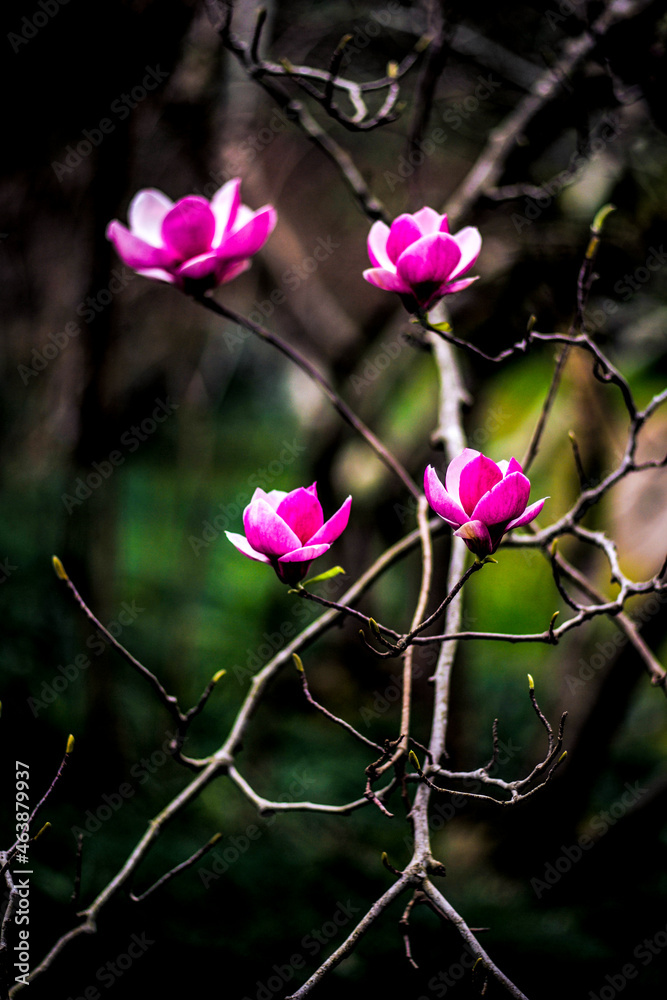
481,499
194,244
420,259
287,530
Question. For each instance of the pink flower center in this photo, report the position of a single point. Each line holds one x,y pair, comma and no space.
189,227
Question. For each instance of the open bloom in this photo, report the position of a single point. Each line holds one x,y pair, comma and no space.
194,244
420,259
481,499
288,531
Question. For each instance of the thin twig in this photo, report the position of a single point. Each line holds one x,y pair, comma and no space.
168,700
304,364
534,445
59,772
485,173
267,807
325,711
424,591
448,911
404,924
173,872
76,889
405,641
351,941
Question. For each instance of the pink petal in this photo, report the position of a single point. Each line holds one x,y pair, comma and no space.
476,536
135,252
529,514
404,231
377,246
146,214
430,260
189,227
505,501
513,466
266,531
242,545
429,221
456,286
225,205
227,270
469,242
441,501
335,526
274,497
157,274
477,478
304,554
302,512
199,267
387,280
456,466
247,240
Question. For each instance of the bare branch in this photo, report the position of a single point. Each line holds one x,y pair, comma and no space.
448,911
301,362
351,941
184,865
485,173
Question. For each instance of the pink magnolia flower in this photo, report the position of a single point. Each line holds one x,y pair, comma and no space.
420,259
482,499
287,530
194,244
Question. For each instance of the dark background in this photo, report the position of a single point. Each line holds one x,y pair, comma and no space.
236,405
